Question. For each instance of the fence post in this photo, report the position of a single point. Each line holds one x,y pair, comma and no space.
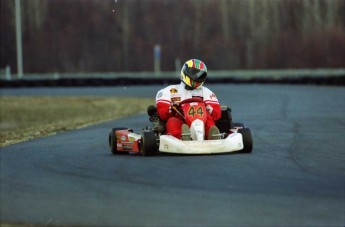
8,72
157,59
19,39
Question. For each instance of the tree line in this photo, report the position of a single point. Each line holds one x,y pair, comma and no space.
119,35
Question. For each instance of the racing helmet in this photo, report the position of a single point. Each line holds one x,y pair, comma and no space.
193,74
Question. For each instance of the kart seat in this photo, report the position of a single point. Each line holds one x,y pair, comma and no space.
225,122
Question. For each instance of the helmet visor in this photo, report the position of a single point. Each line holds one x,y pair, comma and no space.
196,75
191,83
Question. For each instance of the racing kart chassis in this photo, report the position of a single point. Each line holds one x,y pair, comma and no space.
233,137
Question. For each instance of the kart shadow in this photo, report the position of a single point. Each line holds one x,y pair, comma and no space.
163,154
194,155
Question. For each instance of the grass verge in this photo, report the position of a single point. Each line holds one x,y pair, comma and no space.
24,118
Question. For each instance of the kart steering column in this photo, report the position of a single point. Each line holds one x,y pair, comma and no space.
178,112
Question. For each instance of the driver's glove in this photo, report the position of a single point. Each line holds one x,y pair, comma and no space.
173,107
209,109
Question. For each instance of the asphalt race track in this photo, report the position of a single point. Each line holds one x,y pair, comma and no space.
294,177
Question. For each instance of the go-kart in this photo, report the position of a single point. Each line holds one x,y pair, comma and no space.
233,137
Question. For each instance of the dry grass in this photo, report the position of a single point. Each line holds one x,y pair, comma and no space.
26,118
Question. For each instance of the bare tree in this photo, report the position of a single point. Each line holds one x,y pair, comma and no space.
35,11
225,20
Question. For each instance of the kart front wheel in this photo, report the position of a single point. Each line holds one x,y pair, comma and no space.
247,140
149,143
113,140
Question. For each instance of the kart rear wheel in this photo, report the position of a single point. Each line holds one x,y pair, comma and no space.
149,143
113,140
247,140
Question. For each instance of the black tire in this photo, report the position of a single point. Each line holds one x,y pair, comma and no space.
113,140
149,143
239,125
247,140
224,124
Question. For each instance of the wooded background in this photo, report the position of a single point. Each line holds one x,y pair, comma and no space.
119,35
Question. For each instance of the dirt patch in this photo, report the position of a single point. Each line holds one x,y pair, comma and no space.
25,118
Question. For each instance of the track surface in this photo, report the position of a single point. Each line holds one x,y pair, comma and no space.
294,177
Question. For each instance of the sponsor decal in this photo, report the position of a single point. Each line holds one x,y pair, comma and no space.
131,139
198,97
134,136
176,99
127,147
125,142
213,96
203,142
123,138
160,94
173,91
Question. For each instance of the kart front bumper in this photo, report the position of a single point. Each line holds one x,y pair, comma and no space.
170,144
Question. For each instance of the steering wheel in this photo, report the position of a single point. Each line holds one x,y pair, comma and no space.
195,99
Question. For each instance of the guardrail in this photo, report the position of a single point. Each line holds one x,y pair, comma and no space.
334,77
244,74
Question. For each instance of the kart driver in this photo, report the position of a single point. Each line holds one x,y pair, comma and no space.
193,75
